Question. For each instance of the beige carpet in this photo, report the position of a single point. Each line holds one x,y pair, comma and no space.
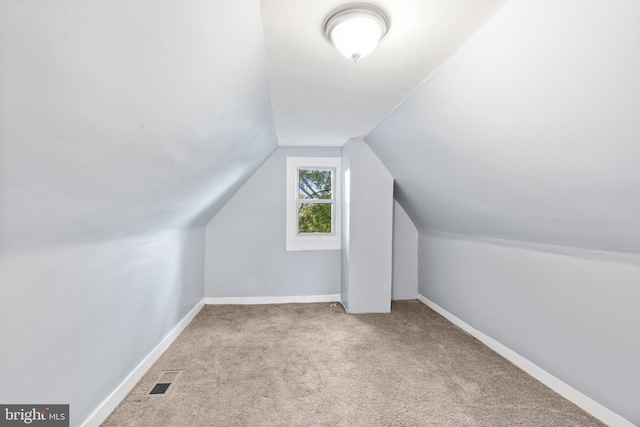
314,365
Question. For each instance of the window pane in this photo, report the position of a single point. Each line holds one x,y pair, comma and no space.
314,184
314,217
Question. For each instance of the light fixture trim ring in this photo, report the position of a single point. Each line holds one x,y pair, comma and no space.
356,10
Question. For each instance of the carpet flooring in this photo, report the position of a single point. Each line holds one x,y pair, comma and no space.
315,365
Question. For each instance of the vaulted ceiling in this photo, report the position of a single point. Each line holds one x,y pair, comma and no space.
125,117
531,131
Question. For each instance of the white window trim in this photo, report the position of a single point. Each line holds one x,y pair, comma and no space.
309,242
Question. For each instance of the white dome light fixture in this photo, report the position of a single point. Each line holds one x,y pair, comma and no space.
356,30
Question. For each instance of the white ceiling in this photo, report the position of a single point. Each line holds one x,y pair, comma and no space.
530,132
321,99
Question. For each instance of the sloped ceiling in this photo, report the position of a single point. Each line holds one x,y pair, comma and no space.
531,131
120,117
124,117
322,99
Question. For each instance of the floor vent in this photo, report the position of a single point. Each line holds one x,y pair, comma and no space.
160,388
164,382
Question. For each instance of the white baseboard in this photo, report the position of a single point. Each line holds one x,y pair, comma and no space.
271,300
563,389
113,400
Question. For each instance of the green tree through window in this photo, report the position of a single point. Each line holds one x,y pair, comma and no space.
313,203
315,197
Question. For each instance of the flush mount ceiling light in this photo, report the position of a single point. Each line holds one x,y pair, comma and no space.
356,30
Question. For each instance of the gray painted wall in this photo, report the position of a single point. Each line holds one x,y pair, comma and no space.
111,137
245,241
74,322
245,253
570,311
405,255
529,133
368,241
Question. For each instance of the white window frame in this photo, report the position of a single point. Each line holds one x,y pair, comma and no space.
313,241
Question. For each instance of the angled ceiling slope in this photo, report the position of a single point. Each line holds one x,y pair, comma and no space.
530,132
124,117
321,99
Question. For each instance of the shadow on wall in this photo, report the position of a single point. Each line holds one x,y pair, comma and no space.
75,321
572,312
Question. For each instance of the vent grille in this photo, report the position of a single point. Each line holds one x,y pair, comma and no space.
164,382
160,388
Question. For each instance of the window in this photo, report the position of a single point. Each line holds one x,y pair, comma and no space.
313,203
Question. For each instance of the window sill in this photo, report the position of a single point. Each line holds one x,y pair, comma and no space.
305,245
